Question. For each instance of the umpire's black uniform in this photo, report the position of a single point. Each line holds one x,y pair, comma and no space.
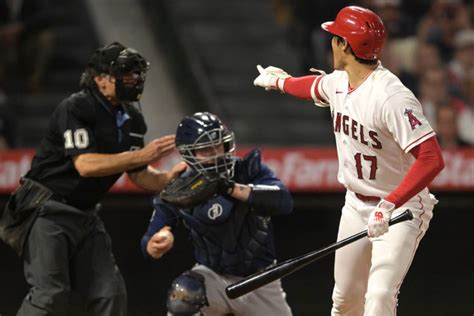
51,220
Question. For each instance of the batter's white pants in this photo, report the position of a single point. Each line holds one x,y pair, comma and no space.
369,272
267,300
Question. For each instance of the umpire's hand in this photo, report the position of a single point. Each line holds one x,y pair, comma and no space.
157,149
160,243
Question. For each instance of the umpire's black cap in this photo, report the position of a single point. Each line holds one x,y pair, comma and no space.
102,58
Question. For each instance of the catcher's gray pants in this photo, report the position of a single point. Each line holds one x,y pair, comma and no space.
69,252
267,300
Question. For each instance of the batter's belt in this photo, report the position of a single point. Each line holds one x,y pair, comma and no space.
365,198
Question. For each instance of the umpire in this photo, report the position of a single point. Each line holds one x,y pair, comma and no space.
51,220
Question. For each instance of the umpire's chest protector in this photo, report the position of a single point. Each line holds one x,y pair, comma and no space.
118,131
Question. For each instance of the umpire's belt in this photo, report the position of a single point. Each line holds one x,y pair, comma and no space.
44,193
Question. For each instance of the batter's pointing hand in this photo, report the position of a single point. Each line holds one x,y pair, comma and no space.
270,78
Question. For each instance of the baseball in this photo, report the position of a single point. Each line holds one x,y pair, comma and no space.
166,234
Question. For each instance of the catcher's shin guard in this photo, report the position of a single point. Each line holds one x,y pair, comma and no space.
187,295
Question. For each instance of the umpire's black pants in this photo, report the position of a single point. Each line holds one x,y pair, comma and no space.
68,251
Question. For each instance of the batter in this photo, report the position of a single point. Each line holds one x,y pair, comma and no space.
387,153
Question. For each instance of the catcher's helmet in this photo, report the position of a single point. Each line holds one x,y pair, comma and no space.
361,28
204,130
187,294
118,61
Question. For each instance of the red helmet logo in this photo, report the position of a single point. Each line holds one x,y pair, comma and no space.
361,28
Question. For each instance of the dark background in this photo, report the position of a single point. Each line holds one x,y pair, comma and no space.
440,281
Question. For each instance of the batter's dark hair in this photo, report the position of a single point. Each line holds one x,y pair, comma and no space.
340,40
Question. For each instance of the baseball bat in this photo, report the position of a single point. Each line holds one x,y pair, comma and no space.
287,267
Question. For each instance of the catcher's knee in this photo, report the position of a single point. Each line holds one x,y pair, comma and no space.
187,294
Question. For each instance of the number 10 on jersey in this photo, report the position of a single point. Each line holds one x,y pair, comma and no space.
78,139
371,160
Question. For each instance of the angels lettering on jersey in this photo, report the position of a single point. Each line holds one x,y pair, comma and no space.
347,125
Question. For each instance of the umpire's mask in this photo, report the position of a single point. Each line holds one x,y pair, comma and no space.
129,70
126,65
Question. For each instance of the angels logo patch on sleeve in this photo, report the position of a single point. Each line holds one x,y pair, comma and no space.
414,122
403,117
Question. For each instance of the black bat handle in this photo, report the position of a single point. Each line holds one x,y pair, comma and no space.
405,216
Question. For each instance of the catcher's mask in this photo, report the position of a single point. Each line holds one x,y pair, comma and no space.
205,131
187,295
126,65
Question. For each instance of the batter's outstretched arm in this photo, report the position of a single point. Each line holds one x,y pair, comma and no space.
306,87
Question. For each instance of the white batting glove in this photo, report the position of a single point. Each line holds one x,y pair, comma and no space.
379,218
271,78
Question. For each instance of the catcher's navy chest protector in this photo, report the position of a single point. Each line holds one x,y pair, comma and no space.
227,236
239,245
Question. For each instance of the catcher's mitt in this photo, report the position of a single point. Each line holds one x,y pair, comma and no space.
187,192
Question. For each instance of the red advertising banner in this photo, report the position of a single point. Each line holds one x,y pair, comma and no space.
304,169
301,169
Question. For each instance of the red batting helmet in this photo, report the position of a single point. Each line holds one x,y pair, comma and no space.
361,28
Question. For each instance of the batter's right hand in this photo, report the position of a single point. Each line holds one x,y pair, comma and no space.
271,78
158,148
379,218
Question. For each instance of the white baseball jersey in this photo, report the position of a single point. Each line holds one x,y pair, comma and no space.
375,126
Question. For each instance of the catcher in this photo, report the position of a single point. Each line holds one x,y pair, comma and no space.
226,203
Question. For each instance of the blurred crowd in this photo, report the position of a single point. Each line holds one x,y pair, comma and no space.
430,46
25,45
